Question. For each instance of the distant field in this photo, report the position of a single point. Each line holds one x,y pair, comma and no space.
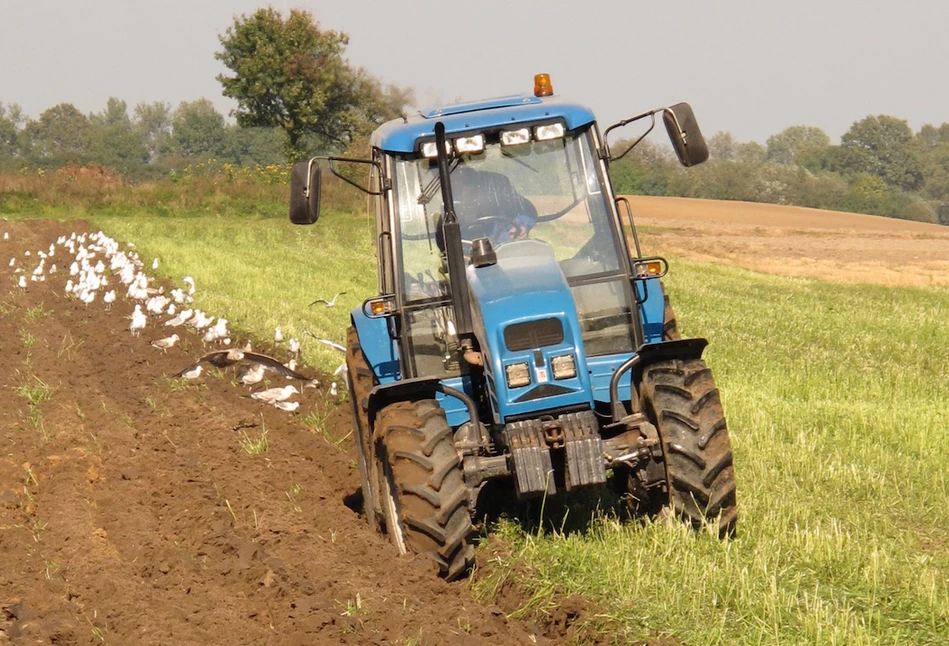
795,241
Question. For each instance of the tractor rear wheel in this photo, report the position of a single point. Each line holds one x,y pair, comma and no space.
670,327
680,398
424,497
361,380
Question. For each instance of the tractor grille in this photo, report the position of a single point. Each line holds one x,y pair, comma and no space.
533,334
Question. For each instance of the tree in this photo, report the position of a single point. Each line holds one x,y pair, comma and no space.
10,118
288,73
933,145
882,146
60,136
153,121
722,145
114,141
798,145
249,146
198,130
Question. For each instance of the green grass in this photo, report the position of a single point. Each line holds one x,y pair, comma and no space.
260,272
836,401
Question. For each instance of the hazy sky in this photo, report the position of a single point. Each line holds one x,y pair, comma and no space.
751,67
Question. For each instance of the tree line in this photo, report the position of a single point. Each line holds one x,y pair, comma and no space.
297,95
880,167
151,140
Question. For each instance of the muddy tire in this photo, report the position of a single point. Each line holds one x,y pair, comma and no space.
361,380
670,327
681,399
424,497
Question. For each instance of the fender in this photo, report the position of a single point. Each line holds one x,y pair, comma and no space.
413,390
648,354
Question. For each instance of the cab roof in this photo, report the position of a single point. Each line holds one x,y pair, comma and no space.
400,135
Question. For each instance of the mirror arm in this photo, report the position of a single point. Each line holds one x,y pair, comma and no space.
620,124
332,163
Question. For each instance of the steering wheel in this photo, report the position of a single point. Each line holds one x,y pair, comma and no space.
484,226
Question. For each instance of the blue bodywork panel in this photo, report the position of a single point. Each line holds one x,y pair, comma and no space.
527,286
455,409
401,136
652,309
380,350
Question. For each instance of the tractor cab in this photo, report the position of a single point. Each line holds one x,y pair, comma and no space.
518,332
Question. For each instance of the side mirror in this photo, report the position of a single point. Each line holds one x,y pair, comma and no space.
304,192
684,132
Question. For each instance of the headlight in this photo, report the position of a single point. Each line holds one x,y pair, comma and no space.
564,366
518,375
515,137
473,144
430,150
548,132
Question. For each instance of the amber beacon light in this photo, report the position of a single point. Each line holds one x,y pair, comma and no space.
542,86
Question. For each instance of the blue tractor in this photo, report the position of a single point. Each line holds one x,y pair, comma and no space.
519,333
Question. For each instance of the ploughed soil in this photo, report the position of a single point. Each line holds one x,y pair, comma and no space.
795,241
130,513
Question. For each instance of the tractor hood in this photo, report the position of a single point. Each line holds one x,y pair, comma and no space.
524,317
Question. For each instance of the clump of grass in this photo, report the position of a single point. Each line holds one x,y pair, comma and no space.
27,338
292,496
36,394
68,347
254,444
37,312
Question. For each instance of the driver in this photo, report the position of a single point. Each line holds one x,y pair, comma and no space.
488,206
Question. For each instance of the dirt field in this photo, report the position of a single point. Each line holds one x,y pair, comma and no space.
841,247
130,512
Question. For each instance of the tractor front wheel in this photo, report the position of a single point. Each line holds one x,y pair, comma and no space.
424,498
361,380
680,398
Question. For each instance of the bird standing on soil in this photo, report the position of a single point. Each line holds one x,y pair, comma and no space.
192,372
138,321
278,335
252,375
274,395
167,342
181,318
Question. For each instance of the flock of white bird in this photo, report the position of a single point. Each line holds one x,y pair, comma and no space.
97,265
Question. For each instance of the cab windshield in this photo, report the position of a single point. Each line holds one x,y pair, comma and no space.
551,191
543,190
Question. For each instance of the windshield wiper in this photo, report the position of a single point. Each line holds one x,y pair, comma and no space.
433,185
508,153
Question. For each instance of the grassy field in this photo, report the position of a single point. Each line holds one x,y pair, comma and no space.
836,400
